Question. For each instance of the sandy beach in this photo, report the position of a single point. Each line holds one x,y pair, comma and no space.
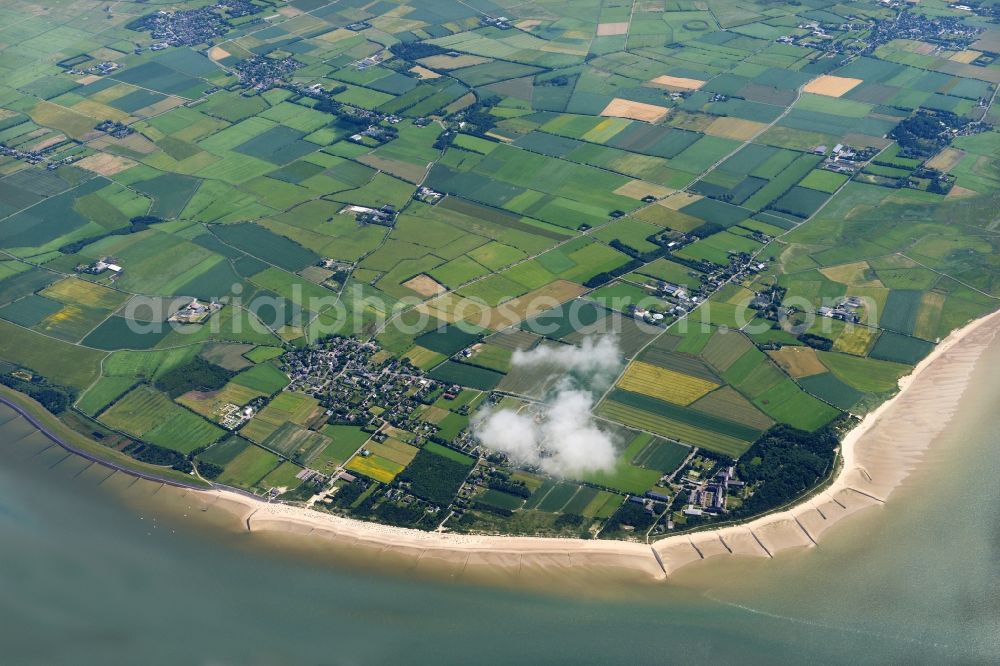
876,458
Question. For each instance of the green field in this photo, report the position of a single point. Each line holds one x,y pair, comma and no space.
262,377
466,375
60,362
249,467
678,430
661,455
151,416
900,348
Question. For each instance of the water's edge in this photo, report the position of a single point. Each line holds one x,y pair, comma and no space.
851,489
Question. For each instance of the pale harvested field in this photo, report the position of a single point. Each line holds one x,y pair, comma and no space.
798,361
856,139
679,200
453,62
101,111
856,340
86,80
425,285
831,86
413,173
394,24
965,57
678,82
853,275
106,164
337,35
637,189
114,92
609,29
735,128
565,49
136,142
499,137
218,53
162,106
624,108
71,122
929,315
105,53
946,159
51,141
424,73
452,308
989,41
958,192
462,102
524,307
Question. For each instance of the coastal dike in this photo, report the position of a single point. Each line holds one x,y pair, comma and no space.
877,456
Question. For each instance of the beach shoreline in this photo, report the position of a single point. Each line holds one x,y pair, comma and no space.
876,457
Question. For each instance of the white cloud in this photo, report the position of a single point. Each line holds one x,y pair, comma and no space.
561,436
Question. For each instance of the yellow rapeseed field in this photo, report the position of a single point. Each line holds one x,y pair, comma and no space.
664,384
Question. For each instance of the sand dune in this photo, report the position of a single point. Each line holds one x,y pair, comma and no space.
876,457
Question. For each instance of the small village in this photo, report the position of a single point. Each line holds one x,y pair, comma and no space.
861,36
193,26
354,379
261,73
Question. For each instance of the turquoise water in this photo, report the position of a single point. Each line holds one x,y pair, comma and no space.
100,568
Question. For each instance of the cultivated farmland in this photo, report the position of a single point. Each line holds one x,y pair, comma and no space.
410,214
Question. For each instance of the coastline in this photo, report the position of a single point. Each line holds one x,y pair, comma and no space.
876,457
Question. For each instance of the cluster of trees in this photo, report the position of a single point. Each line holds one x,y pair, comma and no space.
299,494
444,140
415,50
392,513
768,303
625,249
507,486
700,265
136,224
783,464
629,514
198,375
707,229
157,455
478,116
558,81
568,520
926,132
641,258
434,478
608,276
816,341
327,105
351,119
495,510
56,399
210,471
349,493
